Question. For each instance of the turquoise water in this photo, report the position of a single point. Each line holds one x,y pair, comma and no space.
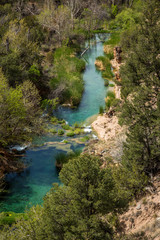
30,186
94,92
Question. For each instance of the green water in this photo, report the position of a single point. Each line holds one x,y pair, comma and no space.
30,186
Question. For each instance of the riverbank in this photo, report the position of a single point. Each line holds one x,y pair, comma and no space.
10,163
110,133
30,186
142,218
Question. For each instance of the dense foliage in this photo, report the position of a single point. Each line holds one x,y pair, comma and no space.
68,82
20,111
37,47
75,209
141,91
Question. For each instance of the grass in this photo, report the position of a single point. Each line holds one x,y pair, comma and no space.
8,218
114,39
102,59
107,73
68,69
110,94
85,139
109,55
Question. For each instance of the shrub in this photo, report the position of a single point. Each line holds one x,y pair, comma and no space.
116,102
66,127
110,94
101,58
77,125
84,139
108,74
34,73
61,121
101,110
62,158
108,103
70,134
60,132
53,131
110,55
111,85
77,131
53,120
106,82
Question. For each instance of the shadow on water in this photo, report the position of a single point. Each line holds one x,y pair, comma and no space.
30,186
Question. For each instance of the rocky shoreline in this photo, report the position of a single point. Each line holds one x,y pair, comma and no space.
111,135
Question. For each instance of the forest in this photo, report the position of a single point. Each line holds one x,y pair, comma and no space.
40,69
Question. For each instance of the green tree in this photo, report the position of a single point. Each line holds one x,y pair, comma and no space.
20,111
141,91
56,20
19,52
85,200
82,208
127,18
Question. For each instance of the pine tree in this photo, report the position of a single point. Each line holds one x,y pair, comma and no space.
141,91
83,207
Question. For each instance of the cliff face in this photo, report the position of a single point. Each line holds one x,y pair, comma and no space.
143,215
109,131
116,63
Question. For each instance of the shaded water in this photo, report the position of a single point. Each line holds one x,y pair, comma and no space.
29,187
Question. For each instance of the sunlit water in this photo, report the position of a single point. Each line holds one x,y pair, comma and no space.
30,186
94,92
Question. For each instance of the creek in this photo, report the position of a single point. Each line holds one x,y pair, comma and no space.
28,188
